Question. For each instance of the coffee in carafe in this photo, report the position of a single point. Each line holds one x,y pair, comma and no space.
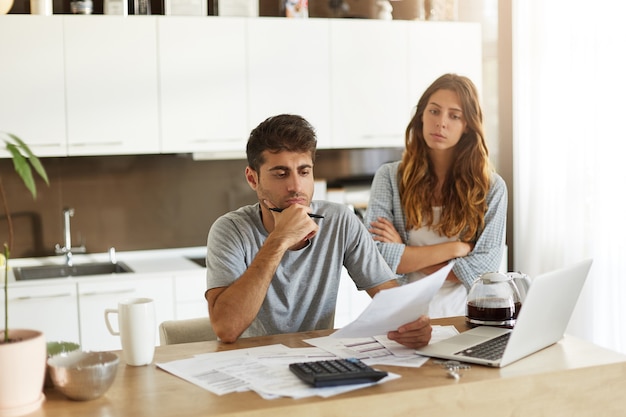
493,300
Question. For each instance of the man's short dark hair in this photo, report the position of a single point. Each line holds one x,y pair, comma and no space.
284,132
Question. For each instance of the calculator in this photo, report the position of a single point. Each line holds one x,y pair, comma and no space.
333,372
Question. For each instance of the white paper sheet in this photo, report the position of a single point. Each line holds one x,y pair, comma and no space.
263,369
378,350
390,309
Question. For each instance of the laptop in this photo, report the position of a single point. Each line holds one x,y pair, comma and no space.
541,322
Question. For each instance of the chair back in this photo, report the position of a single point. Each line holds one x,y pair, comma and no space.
172,332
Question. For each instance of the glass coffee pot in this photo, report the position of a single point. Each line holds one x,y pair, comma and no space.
494,300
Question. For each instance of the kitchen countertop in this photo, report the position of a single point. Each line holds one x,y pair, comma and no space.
155,261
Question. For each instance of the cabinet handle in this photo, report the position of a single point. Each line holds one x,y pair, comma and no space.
84,144
381,136
42,297
46,145
90,294
214,140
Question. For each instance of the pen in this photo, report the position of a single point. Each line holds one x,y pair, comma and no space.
312,215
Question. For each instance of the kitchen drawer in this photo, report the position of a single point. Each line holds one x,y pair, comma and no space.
49,308
96,296
189,289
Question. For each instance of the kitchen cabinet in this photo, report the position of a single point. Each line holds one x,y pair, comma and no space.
350,301
111,85
51,308
189,289
289,71
170,84
95,295
369,83
203,85
32,85
452,47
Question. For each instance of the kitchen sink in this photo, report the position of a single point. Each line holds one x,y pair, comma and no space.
62,271
200,261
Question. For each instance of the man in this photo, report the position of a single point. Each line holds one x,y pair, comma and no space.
271,267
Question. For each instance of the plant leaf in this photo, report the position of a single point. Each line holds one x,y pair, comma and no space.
34,161
22,167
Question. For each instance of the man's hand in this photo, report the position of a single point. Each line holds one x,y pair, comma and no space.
293,224
415,334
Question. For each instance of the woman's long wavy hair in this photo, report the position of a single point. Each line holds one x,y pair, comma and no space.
466,185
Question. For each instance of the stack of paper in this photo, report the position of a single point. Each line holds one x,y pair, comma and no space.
265,369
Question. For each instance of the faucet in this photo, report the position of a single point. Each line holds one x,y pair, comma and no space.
67,249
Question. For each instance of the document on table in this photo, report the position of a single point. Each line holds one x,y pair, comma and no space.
379,350
264,370
390,309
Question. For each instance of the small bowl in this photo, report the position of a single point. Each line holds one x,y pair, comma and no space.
55,348
83,375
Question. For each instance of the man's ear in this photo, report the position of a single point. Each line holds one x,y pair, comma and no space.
252,177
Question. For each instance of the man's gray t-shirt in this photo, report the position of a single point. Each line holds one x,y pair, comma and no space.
303,293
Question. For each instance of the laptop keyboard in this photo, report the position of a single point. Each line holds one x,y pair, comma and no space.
490,350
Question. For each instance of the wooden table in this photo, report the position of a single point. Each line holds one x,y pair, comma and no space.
570,378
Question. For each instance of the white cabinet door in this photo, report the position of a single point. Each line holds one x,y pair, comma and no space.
32,86
96,296
49,308
202,75
112,89
190,288
369,78
289,70
350,301
436,48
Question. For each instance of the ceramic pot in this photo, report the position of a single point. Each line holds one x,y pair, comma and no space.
5,6
22,372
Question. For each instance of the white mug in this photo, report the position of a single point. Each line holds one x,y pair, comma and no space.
137,329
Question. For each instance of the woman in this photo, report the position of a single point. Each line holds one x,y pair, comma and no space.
443,200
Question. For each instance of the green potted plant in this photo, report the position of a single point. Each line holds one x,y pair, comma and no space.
22,351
